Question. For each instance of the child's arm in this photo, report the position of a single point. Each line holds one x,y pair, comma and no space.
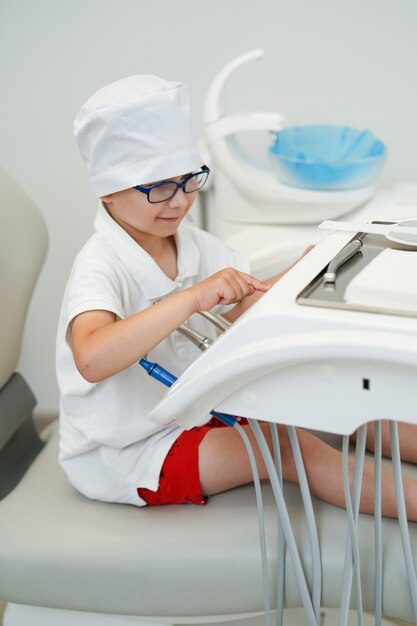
103,347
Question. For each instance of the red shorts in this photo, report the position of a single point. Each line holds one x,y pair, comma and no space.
179,481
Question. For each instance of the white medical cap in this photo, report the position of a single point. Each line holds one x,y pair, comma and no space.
136,131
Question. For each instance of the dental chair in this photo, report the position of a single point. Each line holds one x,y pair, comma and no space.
22,251
66,560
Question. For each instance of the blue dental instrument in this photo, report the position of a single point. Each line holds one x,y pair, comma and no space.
168,379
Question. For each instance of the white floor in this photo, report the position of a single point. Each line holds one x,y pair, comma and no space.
39,617
296,617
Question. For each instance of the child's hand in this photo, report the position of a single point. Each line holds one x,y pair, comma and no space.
225,287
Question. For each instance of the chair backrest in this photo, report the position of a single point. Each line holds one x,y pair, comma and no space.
23,245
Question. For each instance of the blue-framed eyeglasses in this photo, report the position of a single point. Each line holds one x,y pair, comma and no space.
161,192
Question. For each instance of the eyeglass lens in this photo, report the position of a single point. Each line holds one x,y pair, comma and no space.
167,190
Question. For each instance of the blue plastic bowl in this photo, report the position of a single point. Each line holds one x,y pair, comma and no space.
326,157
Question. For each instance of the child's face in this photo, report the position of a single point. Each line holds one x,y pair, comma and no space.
132,211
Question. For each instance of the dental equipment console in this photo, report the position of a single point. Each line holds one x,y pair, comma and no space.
355,363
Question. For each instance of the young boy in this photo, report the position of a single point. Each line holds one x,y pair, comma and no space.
144,272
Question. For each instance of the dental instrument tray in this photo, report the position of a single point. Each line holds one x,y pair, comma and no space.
370,275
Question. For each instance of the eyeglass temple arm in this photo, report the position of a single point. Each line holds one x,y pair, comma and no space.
216,319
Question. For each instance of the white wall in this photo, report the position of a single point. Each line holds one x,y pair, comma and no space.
349,62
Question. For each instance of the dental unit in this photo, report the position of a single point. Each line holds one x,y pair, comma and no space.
293,338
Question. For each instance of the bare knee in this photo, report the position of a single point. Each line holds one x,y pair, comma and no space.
224,462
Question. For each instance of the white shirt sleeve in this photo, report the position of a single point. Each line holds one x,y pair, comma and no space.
93,285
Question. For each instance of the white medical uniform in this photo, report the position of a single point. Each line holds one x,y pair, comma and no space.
108,447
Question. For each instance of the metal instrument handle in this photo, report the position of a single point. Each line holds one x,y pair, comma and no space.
216,319
201,341
344,255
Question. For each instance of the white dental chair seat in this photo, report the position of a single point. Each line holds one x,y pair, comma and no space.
61,550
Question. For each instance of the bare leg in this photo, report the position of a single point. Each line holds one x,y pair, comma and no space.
224,464
407,434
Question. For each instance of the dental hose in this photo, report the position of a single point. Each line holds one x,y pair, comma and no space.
280,532
402,515
310,612
164,376
352,501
